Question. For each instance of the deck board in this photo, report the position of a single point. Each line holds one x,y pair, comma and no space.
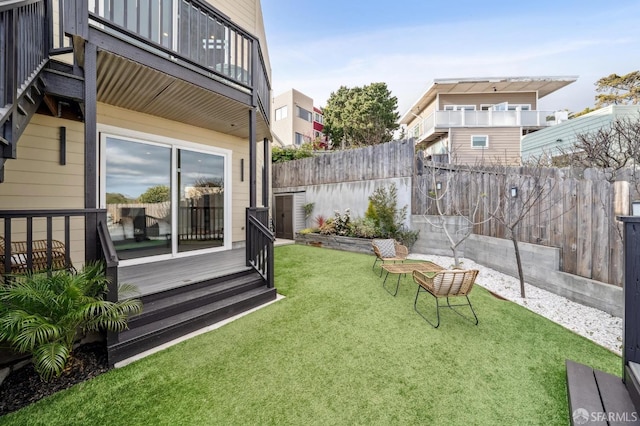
167,274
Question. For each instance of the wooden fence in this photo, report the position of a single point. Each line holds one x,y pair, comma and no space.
388,160
575,214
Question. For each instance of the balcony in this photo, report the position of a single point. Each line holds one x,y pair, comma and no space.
439,122
192,35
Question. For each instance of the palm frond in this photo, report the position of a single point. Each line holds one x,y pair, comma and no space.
50,359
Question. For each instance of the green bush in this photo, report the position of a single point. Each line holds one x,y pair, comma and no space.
362,228
41,314
383,211
280,155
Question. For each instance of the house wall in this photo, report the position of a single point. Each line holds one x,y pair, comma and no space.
421,116
286,128
37,181
504,144
127,119
478,99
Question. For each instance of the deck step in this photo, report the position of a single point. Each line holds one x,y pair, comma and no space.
180,313
598,398
161,305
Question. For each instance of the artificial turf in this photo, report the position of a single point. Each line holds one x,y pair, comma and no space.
340,350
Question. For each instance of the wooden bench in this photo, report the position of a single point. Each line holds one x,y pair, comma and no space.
598,398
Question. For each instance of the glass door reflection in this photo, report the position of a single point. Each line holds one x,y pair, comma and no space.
138,197
201,200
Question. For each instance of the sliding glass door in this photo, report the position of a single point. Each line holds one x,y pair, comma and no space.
162,199
201,207
138,197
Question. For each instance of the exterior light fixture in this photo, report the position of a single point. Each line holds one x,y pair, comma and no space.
635,208
514,192
438,186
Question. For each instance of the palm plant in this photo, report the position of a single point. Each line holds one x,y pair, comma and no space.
42,314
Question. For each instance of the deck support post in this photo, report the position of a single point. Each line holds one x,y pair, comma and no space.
90,148
265,172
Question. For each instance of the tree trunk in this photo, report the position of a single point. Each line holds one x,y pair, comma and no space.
518,262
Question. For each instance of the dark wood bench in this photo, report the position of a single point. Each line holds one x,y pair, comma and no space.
598,398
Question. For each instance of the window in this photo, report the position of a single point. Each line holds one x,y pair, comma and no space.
459,107
479,141
300,139
517,107
318,118
415,131
281,113
303,113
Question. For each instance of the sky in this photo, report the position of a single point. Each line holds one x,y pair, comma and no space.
315,47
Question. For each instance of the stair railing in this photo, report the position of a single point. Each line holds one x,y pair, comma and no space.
260,244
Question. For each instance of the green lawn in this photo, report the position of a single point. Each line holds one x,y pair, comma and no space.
339,350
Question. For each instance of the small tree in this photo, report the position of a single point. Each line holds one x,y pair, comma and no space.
522,190
444,185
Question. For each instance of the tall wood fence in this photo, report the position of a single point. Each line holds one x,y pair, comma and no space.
576,214
388,160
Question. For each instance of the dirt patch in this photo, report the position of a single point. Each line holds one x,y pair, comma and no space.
496,295
23,386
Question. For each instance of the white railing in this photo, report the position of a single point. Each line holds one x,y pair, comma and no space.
447,119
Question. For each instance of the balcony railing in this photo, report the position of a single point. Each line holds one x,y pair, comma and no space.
192,30
447,119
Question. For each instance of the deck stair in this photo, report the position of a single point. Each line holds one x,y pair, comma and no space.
599,398
173,313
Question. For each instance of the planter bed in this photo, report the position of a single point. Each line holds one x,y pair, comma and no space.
358,245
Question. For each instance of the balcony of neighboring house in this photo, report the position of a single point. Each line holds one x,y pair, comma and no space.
437,124
178,59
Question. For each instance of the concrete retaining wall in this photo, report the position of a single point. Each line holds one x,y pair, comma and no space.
358,245
329,197
541,264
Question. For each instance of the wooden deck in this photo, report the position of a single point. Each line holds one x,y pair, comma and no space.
164,275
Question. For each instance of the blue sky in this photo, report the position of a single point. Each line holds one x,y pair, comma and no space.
317,46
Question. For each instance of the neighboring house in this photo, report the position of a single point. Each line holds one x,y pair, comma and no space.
295,119
139,133
554,140
470,119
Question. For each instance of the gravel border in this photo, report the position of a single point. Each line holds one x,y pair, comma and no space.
594,324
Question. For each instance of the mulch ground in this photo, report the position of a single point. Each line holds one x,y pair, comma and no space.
23,387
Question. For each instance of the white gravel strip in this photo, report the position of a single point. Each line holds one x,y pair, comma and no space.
594,324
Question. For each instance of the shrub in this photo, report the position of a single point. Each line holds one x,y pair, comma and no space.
362,228
341,222
306,231
383,210
406,237
41,314
328,227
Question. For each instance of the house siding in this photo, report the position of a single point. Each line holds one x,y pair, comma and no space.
37,181
504,145
132,120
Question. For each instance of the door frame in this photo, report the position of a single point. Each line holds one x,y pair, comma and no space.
105,130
